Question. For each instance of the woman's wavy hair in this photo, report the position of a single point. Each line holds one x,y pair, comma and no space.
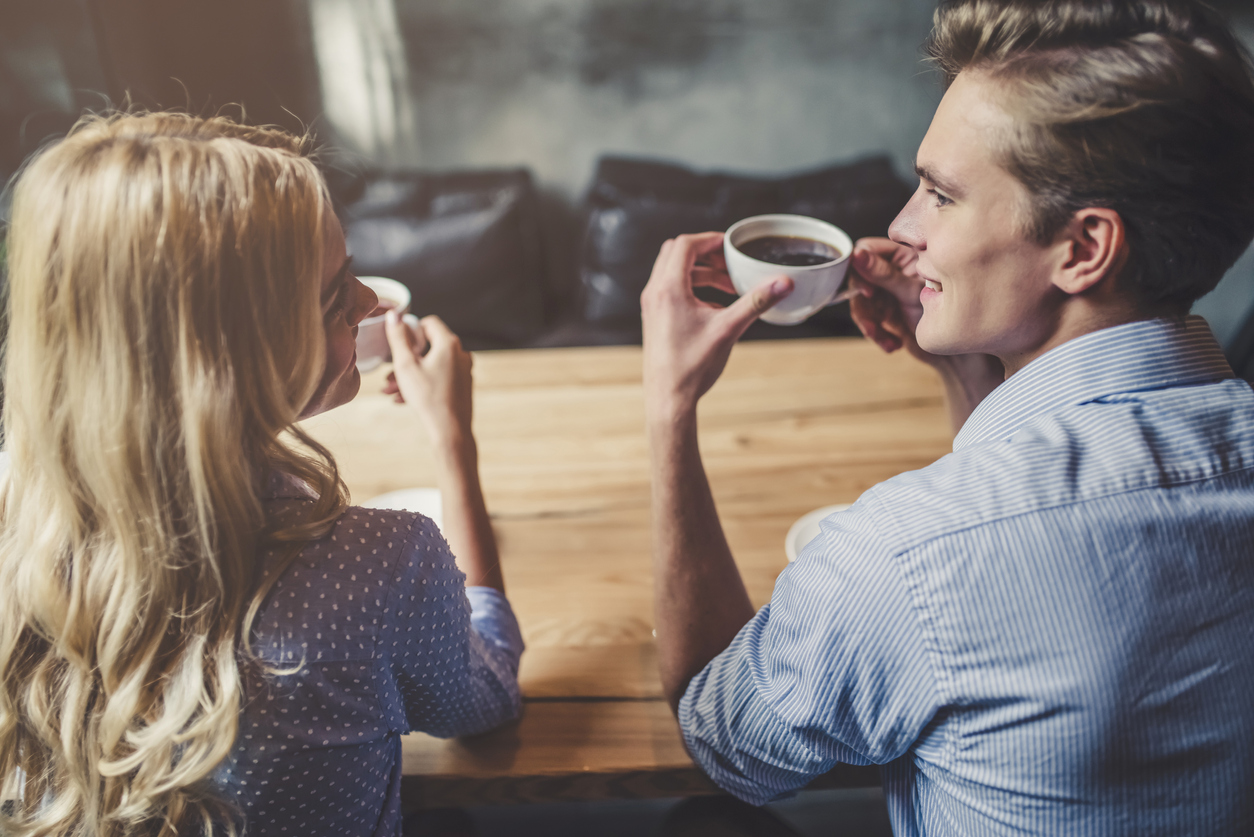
165,331
1141,106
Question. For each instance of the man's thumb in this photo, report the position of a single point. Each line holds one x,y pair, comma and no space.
751,306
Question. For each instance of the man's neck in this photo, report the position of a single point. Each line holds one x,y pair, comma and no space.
1079,316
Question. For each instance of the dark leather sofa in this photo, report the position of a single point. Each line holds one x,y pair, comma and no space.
473,248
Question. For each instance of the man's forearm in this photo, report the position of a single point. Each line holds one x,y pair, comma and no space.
700,602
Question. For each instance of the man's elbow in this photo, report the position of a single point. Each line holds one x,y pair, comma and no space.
674,686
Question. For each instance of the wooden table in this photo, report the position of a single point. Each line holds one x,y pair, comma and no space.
791,426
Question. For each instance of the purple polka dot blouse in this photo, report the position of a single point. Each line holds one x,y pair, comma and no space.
379,636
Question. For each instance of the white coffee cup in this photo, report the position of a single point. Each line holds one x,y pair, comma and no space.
815,286
372,339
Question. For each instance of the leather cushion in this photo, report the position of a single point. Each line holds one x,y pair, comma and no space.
467,245
634,205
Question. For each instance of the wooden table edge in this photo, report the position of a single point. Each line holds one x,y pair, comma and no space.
452,791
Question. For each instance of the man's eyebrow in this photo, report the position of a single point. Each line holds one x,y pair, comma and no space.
334,288
937,180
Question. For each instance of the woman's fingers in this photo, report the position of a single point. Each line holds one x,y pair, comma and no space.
401,341
439,334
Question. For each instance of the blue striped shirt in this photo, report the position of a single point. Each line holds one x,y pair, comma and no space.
1048,631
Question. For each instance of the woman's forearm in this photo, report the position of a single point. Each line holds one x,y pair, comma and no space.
467,527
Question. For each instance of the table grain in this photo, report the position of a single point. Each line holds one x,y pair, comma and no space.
791,426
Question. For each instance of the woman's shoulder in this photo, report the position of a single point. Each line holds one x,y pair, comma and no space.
360,535
342,588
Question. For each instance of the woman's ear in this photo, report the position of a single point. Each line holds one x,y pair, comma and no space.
1095,249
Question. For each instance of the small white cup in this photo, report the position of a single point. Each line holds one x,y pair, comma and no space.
372,339
815,286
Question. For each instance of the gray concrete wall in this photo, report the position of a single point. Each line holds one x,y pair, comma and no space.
740,85
730,84
744,85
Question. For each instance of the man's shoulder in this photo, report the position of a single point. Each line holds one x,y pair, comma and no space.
1129,444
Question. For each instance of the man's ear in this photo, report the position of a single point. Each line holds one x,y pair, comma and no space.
1095,249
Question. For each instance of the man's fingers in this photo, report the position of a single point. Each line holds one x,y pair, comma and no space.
688,248
869,315
708,277
714,259
878,261
741,313
673,268
874,267
885,247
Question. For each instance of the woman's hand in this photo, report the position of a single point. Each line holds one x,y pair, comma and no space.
437,384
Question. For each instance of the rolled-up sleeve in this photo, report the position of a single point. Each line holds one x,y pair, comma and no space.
834,669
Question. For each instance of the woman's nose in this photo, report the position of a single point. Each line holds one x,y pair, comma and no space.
367,301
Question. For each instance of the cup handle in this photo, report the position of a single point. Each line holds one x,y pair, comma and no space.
844,296
415,327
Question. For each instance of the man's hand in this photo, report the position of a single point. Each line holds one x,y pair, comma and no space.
699,599
687,341
889,311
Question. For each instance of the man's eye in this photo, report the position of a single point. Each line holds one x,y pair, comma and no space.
941,200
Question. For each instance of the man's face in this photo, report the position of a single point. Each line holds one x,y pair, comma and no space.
988,287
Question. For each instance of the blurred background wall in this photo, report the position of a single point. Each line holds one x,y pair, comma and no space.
731,84
739,85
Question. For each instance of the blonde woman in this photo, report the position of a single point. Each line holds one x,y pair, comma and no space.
197,633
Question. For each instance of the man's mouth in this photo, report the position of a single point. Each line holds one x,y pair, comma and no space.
930,285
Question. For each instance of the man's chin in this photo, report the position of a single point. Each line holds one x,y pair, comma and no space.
944,345
931,341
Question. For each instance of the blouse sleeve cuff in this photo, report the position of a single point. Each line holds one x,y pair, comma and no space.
493,619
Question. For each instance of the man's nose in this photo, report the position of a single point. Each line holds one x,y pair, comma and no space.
907,227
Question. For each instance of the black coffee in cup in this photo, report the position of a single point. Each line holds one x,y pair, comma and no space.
791,250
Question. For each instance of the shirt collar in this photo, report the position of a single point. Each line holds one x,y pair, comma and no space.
1133,357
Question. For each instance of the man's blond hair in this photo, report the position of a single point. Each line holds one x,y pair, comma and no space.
1141,106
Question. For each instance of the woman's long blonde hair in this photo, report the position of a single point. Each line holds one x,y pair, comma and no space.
165,331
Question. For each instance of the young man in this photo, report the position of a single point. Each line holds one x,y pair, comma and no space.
1050,630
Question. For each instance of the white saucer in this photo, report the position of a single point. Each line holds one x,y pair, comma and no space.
422,500
806,529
